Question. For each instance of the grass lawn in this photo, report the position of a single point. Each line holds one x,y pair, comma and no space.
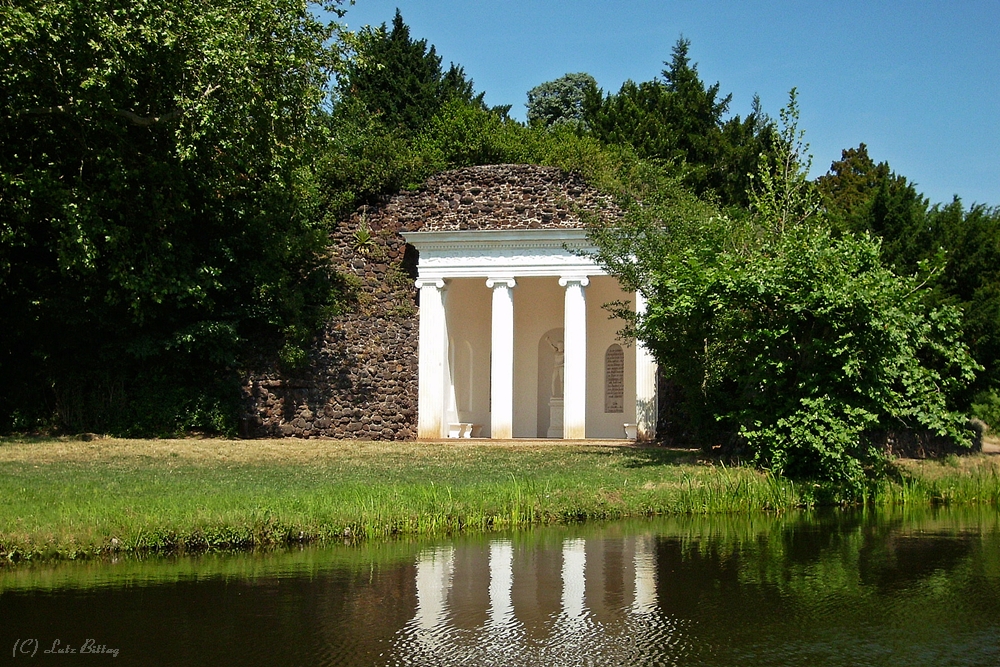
74,498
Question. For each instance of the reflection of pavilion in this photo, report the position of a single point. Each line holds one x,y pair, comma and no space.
527,595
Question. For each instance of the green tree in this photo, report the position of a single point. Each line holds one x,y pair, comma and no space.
399,80
787,344
157,221
680,122
862,196
561,101
970,278
956,250
781,196
848,187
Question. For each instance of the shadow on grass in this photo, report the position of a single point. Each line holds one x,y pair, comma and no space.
41,438
644,457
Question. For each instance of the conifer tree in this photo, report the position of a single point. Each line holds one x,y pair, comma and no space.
399,80
679,121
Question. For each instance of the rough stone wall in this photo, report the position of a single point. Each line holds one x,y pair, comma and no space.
499,197
361,380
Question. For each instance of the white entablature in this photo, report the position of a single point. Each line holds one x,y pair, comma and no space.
521,252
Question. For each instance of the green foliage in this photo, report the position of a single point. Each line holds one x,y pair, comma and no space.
787,343
679,122
801,346
399,80
158,214
400,118
363,161
561,101
970,240
781,196
848,187
367,161
986,406
862,196
962,245
462,135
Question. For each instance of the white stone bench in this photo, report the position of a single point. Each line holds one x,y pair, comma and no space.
464,430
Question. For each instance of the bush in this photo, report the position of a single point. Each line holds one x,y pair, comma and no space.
782,339
986,406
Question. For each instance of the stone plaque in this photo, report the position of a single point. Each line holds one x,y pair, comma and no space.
614,379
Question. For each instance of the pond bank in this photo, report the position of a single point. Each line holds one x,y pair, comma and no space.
77,499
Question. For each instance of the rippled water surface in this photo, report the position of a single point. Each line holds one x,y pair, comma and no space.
834,589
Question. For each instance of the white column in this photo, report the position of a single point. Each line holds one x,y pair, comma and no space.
432,353
575,350
502,361
645,383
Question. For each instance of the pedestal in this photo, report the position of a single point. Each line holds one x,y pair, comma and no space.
555,418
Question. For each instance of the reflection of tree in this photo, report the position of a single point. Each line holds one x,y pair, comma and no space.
832,583
839,588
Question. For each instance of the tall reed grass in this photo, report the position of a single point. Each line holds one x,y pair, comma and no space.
72,501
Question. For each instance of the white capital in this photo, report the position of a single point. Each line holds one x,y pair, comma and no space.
501,281
582,281
429,282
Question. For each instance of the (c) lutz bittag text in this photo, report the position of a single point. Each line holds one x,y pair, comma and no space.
29,648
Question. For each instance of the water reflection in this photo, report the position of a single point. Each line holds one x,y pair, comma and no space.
836,589
580,601
574,580
435,568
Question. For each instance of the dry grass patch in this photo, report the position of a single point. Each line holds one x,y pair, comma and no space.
950,466
211,451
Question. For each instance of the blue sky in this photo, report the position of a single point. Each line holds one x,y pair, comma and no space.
918,82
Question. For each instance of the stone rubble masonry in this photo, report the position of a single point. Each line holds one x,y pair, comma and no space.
361,379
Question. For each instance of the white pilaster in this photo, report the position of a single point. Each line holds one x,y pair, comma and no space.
645,383
502,362
432,353
575,369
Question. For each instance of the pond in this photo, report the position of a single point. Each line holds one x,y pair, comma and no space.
916,588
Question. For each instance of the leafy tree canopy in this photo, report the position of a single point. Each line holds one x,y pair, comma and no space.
156,221
561,102
955,249
785,342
